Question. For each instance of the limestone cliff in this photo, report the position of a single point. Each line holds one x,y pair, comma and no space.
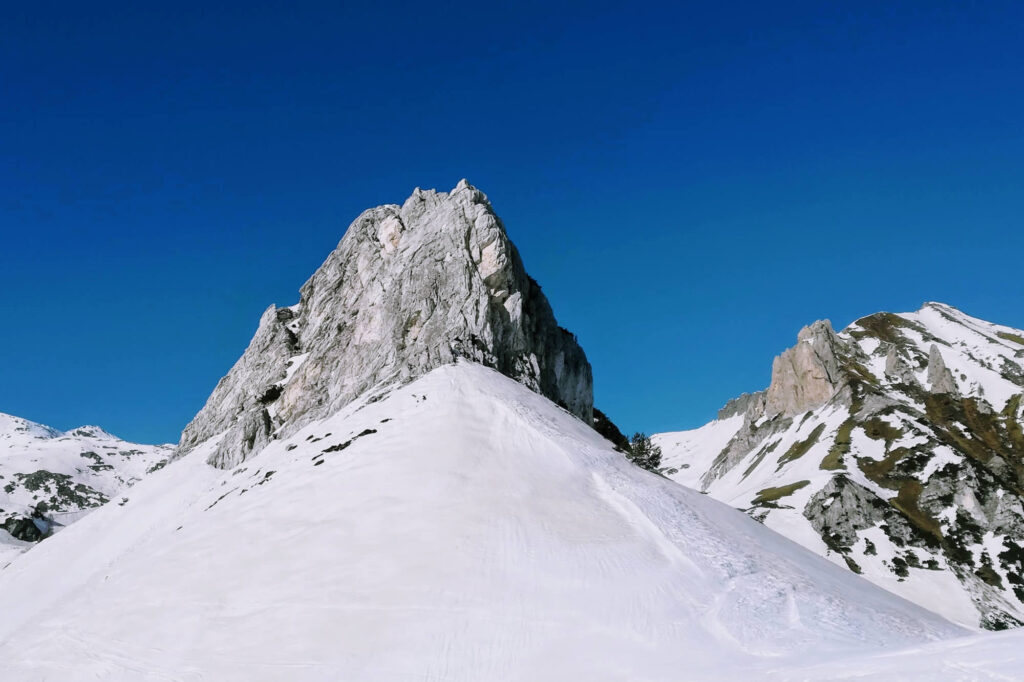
408,289
804,377
807,374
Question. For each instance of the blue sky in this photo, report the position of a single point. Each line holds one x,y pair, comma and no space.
690,183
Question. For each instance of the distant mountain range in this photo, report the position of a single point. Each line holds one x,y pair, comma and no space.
63,475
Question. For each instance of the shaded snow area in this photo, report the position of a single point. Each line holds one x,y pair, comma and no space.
70,473
460,528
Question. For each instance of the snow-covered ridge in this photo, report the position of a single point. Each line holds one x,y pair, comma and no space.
64,474
462,527
906,469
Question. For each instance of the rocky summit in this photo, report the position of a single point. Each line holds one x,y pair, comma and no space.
894,447
408,289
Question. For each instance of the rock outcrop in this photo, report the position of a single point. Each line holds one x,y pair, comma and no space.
806,375
408,289
940,379
897,368
747,403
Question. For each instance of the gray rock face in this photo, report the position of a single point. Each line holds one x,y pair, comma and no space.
408,289
940,379
747,403
842,509
897,368
753,432
806,375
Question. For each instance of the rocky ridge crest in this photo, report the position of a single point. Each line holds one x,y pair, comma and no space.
409,288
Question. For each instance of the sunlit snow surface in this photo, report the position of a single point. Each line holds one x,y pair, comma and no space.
474,532
992,657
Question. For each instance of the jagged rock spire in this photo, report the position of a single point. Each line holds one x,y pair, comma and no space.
940,379
897,368
408,289
806,375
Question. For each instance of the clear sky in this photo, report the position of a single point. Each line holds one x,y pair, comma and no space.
690,183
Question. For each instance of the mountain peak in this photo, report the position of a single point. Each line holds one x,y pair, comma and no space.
409,288
90,431
892,447
11,425
807,374
939,305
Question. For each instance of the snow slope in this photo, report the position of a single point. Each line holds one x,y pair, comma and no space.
460,528
915,489
687,455
992,657
71,472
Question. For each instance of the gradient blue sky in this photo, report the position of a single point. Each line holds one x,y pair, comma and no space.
690,183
